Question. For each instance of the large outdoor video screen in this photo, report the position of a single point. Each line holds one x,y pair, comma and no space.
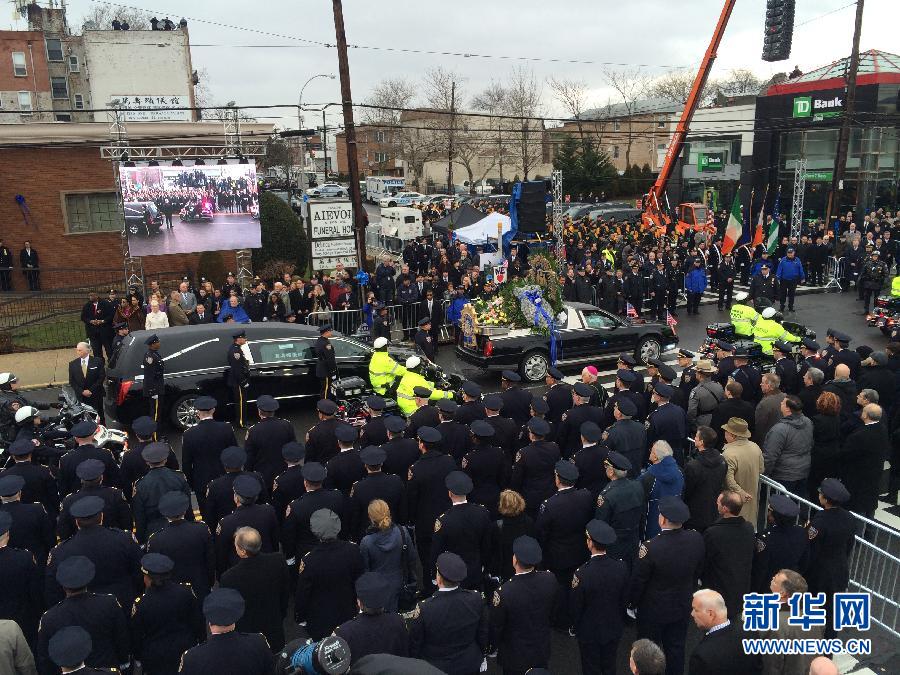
189,209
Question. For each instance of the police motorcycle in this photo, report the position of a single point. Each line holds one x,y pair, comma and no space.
199,211
885,314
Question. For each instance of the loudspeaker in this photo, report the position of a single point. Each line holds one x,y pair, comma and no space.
532,207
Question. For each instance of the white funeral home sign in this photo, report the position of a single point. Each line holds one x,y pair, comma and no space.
331,234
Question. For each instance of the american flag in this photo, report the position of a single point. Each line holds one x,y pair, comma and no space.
671,322
630,310
710,221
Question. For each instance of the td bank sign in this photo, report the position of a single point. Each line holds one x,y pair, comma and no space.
817,109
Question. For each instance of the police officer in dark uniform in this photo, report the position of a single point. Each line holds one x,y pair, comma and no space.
227,650
659,287
663,583
84,432
727,275
786,367
628,362
266,438
373,431
133,467
154,385
426,415
724,361
667,422
219,500
621,504
505,430
381,325
148,490
449,630
32,528
457,440
401,452
69,648
20,596
626,435
202,446
376,484
231,286
464,529
97,613
597,602
624,389
539,408
321,443
423,340
560,530
486,466
568,435
189,544
516,400
40,486
688,379
288,485
749,377
376,629
558,396
261,517
121,329
848,357
296,536
521,612
345,468
471,408
326,365
784,544
116,512
237,376
810,352
590,460
165,620
533,469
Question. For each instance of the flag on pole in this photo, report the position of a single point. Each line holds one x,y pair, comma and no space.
671,322
735,225
758,233
710,221
630,311
772,236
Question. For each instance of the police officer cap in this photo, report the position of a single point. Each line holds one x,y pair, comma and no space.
627,376
424,322
601,532
493,402
373,590
834,491
674,509
538,426
555,373
539,405
324,328
394,424
155,452
90,469
481,429
663,389
829,332
205,403
326,407
471,388
724,346
119,325
75,572
84,429
223,607
11,485
233,457
293,451
566,470
429,435
782,346
452,567
511,376
584,390
627,358
618,461
238,334
70,646
86,507
346,433
23,446
325,524
626,407
843,337
267,403
422,392
809,343
314,472
375,403
247,486
372,455
144,427
784,505
447,405
458,483
153,339
527,550
667,373
5,522
741,351
173,504
656,363
686,354
157,563
590,431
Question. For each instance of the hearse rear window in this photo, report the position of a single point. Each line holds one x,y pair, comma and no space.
277,352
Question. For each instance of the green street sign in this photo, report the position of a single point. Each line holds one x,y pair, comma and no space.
817,108
819,176
710,161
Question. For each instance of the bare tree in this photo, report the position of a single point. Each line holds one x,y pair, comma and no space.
674,86
101,16
417,146
572,95
391,95
629,84
737,82
473,152
443,90
492,100
524,101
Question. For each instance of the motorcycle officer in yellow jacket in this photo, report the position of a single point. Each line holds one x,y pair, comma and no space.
383,370
413,378
768,330
743,318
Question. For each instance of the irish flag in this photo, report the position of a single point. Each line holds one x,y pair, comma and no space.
735,226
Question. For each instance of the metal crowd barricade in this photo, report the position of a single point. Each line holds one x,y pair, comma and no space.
874,561
834,272
403,318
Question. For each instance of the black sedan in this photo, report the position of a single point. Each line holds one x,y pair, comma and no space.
586,334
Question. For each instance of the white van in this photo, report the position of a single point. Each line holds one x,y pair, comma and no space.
382,186
402,222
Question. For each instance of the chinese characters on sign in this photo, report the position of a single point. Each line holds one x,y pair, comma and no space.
807,610
156,108
331,233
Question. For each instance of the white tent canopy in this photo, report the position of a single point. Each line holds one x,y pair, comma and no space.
478,233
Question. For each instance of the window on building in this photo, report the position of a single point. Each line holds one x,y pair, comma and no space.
79,101
615,152
59,87
19,67
93,212
25,101
379,137
660,124
54,50
661,147
74,66
63,117
617,125
381,157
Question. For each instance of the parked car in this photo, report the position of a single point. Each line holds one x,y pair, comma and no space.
586,334
143,218
328,190
281,357
400,199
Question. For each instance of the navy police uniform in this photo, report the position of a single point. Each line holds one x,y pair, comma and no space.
597,604
237,377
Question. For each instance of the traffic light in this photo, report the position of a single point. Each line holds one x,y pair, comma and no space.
779,30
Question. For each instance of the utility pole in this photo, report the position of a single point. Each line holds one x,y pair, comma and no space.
325,144
359,218
840,158
451,137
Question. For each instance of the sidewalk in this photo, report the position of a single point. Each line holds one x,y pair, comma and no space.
38,369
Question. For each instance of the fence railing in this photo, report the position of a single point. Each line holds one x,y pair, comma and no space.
874,561
403,318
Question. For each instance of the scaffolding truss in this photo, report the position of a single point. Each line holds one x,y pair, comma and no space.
556,182
799,194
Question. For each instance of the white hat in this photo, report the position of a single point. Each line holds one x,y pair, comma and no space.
413,362
380,342
7,378
769,312
25,412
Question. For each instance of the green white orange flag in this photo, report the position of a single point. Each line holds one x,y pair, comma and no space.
735,227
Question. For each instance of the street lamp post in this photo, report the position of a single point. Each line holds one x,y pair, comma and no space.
300,109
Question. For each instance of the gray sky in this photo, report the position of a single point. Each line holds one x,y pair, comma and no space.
659,33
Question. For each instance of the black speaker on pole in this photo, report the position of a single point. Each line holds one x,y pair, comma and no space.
532,207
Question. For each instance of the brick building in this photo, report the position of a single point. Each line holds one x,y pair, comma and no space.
377,151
